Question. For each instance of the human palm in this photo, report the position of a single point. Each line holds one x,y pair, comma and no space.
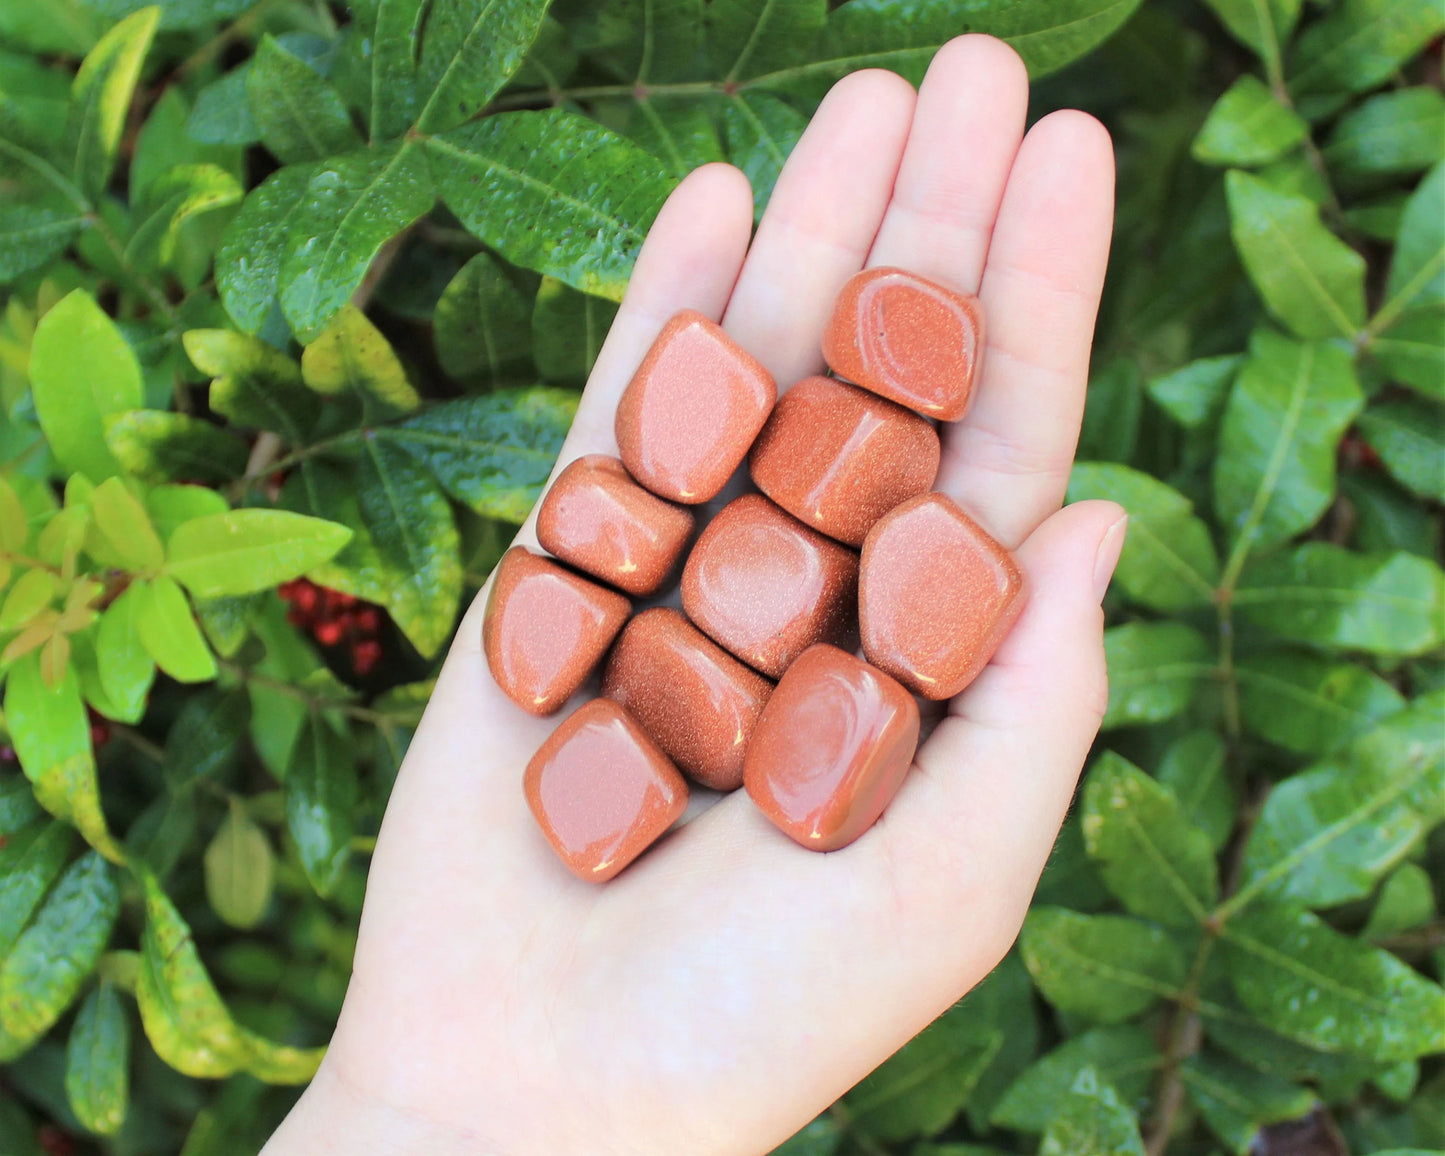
730,984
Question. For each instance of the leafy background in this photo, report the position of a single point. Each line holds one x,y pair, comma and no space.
297,298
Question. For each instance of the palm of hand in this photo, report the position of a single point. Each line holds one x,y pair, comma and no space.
730,985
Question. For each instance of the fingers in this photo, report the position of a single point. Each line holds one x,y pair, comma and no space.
1008,460
966,130
820,222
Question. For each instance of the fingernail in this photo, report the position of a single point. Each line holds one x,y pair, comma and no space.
1107,556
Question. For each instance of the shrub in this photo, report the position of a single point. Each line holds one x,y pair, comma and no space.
295,315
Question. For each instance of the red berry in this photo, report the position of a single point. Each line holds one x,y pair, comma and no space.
99,733
328,633
55,1142
368,620
365,656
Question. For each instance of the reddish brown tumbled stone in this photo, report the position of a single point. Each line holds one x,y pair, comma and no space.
546,629
602,791
838,458
907,339
601,521
697,701
936,595
691,411
831,749
766,587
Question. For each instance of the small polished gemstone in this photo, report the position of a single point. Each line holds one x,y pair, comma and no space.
936,595
596,518
831,749
602,791
546,629
839,458
766,587
907,339
691,411
697,701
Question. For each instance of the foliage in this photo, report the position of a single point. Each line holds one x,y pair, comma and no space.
297,297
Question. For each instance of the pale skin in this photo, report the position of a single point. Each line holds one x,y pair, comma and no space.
730,985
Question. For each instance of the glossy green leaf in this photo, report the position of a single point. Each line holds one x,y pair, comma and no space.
256,385
492,453
101,99
18,809
177,14
173,198
321,793
30,862
1194,394
1125,1058
1308,277
1092,1122
1236,1101
760,131
1155,671
1263,25
122,520
469,50
390,33
243,551
168,631
501,174
1406,900
125,669
350,208
32,593
821,1137
411,523
1194,769
1104,968
568,329
301,117
1409,436
1310,705
204,741
248,260
222,112
157,446
81,371
1248,126
1275,473
50,961
1328,835
1152,858
483,324
1361,43
325,491
163,144
1410,326
352,355
240,870
169,506
34,229
681,133
1325,595
97,1062
1312,984
747,39
1391,134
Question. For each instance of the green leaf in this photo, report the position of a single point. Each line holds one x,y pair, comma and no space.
492,453
352,355
50,961
240,870
760,131
1406,900
746,38
1194,394
172,199
1155,671
1275,473
122,520
14,522
243,551
1409,436
81,371
169,506
18,809
1326,990
568,329
157,446
1308,277
168,631
1236,1101
30,863
389,32
1105,968
822,1137
1091,1122
411,524
177,14
222,112
681,133
100,99
256,385
97,1061
324,491
301,117
1152,858
320,801
1193,768
31,594
350,208
1169,561
1327,836
470,48
1248,126
35,229
1417,270
1362,43
596,192
1263,25
248,259
483,324
1125,1058
204,741
1325,595
1310,705
163,144
125,669
1392,134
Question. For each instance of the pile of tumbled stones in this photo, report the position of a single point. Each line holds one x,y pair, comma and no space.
774,588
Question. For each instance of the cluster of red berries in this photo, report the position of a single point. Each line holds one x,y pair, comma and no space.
336,619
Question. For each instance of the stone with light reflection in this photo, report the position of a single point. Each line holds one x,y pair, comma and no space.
602,791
